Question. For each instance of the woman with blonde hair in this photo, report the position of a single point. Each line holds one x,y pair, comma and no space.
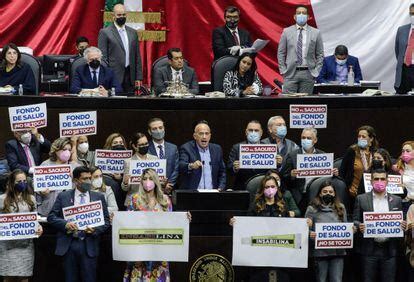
405,167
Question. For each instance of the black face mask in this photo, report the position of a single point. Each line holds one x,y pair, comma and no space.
81,50
377,164
327,199
94,64
143,150
232,24
118,148
120,21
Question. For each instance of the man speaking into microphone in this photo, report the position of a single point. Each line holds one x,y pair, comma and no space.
201,162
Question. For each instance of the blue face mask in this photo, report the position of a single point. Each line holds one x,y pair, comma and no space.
281,131
20,186
341,62
253,137
306,144
362,143
301,19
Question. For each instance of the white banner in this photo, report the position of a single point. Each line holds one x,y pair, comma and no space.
302,116
314,165
138,166
27,117
111,161
383,224
258,156
76,124
57,177
87,215
394,185
15,226
150,236
270,241
334,236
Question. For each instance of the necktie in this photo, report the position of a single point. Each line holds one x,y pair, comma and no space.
410,49
82,198
177,77
299,48
236,39
124,39
162,156
27,153
94,79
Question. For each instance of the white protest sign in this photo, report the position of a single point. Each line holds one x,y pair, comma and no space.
57,177
383,224
111,161
76,124
150,236
334,236
27,117
138,166
258,156
394,185
15,226
314,165
302,116
270,241
87,215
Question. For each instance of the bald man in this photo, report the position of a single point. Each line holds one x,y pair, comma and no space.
201,162
120,50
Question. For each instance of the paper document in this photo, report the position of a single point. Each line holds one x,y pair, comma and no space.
258,45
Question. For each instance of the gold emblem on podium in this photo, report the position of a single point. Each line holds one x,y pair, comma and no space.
211,268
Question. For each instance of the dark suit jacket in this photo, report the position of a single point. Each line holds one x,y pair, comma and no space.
295,185
401,42
223,39
328,71
113,52
191,178
16,157
364,203
164,74
83,79
171,154
23,75
55,218
242,175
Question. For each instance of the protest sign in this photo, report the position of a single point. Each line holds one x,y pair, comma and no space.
150,236
111,161
314,165
394,185
87,215
302,116
76,124
138,166
27,117
56,177
16,226
383,224
334,235
270,241
258,156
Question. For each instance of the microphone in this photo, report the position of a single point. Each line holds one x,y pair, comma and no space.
278,83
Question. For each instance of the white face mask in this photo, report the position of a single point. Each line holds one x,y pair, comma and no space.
412,20
26,138
97,182
83,147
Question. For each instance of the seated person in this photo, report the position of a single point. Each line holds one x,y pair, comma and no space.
81,44
14,72
336,67
94,75
243,80
176,70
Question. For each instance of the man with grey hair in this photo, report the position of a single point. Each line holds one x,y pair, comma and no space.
277,129
93,75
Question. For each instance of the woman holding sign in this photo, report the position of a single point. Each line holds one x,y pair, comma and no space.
326,208
405,167
17,256
149,197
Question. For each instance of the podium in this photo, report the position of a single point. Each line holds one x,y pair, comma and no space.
211,211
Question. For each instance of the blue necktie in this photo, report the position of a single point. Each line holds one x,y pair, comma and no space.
162,156
82,199
299,48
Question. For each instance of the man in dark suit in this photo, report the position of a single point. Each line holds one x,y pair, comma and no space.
164,150
79,248
201,162
404,48
81,44
94,75
229,39
120,49
253,134
379,255
25,150
175,71
337,66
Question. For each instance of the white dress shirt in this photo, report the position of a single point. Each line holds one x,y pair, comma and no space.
125,42
91,70
177,74
380,204
78,197
237,34
304,40
157,149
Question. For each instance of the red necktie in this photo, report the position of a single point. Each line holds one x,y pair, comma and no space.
410,49
27,152
236,39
